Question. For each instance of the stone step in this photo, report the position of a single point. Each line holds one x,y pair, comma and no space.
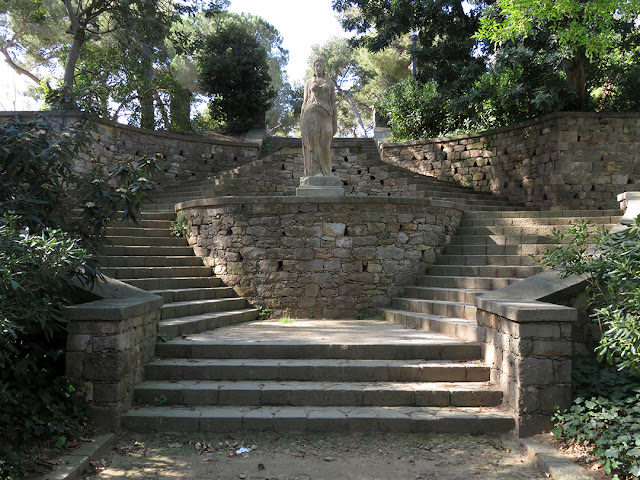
435,307
121,273
193,347
317,370
510,271
469,195
193,324
596,220
303,394
138,241
121,231
479,283
168,215
460,328
510,231
200,307
550,214
139,250
469,420
458,239
150,261
467,205
158,224
497,260
522,249
155,284
191,294
439,293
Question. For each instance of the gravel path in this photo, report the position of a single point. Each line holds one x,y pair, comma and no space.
315,457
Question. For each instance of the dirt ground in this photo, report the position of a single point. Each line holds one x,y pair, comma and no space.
314,457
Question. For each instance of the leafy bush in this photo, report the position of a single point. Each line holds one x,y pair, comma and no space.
37,401
180,226
40,181
611,264
605,417
53,217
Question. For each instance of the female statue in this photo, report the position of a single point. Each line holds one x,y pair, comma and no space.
318,121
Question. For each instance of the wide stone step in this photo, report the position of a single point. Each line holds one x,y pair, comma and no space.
140,250
137,241
441,293
525,213
301,394
435,307
445,349
144,222
501,239
469,420
479,283
460,328
193,324
155,284
485,260
509,230
121,231
150,261
168,215
317,370
191,294
121,273
523,249
597,220
511,271
200,307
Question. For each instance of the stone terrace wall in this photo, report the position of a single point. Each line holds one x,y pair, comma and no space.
564,160
186,157
337,257
362,173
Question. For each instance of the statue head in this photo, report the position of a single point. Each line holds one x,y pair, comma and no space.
319,67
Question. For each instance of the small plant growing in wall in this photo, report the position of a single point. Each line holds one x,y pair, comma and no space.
263,312
160,401
180,226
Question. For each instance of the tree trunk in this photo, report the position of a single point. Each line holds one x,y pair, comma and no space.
72,58
180,110
574,68
147,111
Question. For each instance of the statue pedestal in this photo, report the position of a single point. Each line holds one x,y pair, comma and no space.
320,186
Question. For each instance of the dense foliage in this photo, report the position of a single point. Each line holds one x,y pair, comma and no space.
484,65
53,217
604,417
611,264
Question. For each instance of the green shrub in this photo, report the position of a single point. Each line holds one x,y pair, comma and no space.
610,262
180,226
605,417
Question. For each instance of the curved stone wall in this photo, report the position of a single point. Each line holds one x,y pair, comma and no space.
334,257
569,160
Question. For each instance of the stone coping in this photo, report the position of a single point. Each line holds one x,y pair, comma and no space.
526,123
528,300
118,301
290,200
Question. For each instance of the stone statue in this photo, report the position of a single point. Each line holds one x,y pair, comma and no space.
318,121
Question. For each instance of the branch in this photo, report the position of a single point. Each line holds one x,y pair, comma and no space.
18,68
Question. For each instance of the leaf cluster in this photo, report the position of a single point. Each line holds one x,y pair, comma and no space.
610,262
604,417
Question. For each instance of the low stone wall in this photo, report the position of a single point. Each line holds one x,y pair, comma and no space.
336,257
108,343
560,161
185,157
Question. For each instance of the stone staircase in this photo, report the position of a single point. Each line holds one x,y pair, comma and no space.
491,249
147,256
218,373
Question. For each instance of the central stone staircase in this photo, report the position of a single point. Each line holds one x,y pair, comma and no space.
419,371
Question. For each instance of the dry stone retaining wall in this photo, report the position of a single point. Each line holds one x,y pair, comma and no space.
186,158
336,257
564,160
